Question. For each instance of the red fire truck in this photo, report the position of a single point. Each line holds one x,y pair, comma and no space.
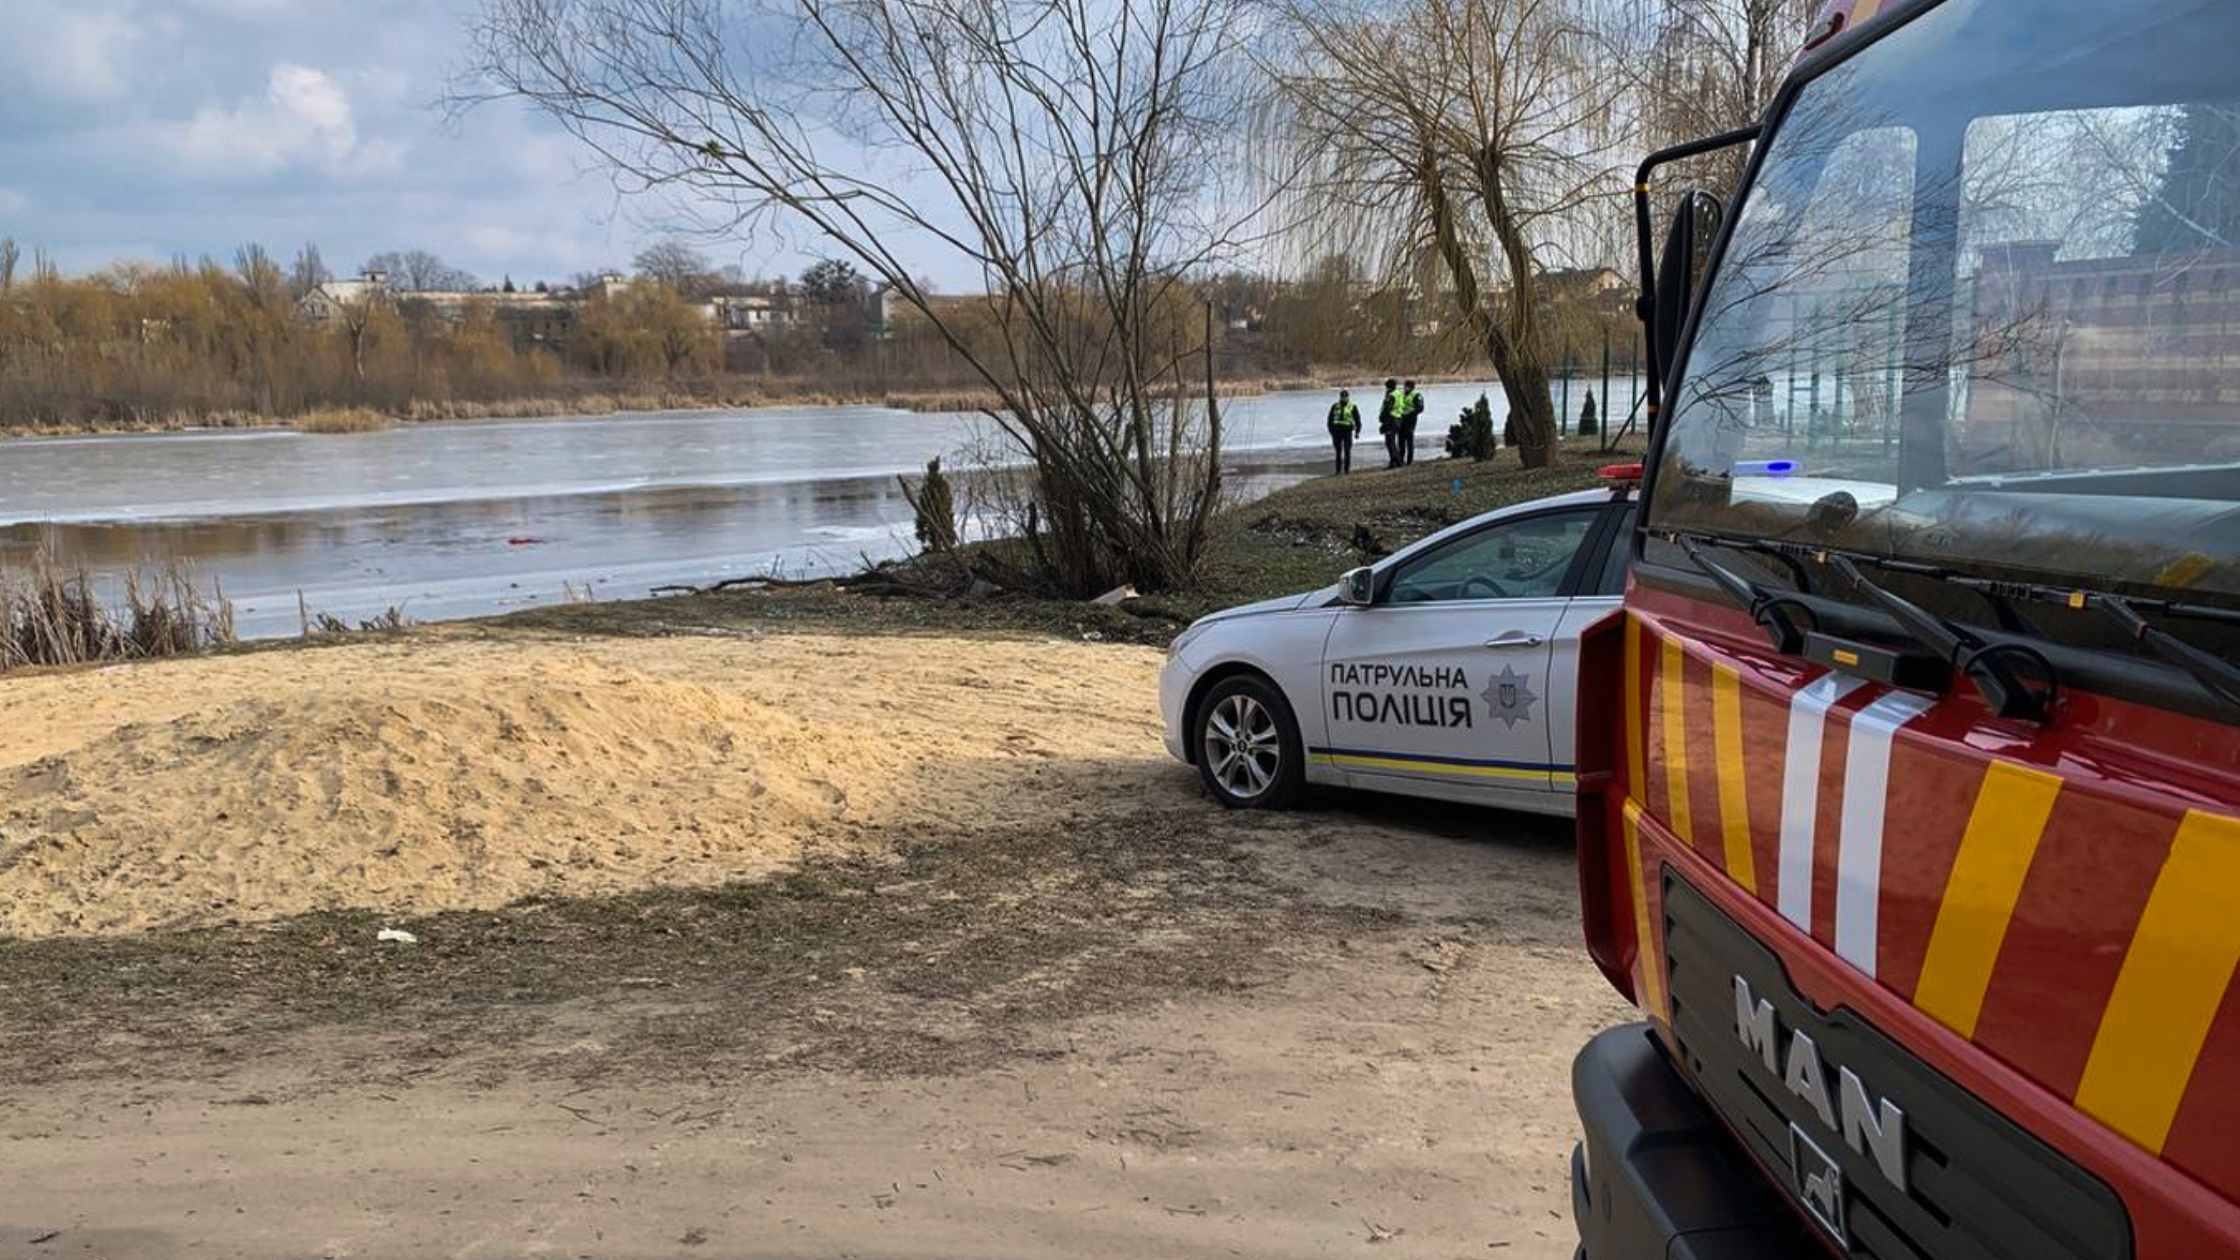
1910,771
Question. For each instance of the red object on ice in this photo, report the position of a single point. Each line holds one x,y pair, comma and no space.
523,540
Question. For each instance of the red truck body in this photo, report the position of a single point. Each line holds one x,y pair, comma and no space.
1918,979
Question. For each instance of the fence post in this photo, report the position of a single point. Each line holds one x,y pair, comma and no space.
1563,409
1812,419
1789,389
1896,385
1605,403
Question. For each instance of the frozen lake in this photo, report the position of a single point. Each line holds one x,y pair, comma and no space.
459,520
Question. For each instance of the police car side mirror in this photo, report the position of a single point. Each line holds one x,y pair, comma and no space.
1358,588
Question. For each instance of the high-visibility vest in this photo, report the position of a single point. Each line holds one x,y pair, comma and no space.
1397,402
1345,416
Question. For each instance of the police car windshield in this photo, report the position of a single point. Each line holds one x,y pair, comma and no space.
1982,306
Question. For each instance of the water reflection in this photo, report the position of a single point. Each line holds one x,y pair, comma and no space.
472,557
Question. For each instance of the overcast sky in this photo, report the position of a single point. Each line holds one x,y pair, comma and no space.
148,128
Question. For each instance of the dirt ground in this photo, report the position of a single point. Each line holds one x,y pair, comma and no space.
1048,1001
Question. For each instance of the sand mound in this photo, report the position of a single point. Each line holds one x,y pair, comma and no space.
412,797
437,774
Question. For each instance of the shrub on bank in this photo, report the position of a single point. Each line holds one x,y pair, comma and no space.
1471,436
341,420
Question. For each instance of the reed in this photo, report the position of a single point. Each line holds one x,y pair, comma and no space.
341,420
325,625
51,615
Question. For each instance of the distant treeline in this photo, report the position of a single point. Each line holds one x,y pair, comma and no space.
150,346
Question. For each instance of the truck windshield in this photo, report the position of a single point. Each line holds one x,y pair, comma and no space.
1981,307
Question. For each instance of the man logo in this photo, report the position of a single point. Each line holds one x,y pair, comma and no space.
1873,1127
1509,696
1819,1183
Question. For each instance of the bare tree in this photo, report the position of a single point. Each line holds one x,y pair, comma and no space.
265,320
676,265
418,271
1085,159
356,314
1456,143
1712,65
10,254
308,271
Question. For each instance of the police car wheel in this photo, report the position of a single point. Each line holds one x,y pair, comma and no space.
1249,753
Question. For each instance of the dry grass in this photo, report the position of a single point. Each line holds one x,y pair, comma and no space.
341,420
50,615
944,400
323,625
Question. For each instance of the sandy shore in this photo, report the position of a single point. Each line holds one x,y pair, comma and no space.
1023,990
446,772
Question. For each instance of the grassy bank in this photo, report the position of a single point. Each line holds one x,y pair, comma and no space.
1296,539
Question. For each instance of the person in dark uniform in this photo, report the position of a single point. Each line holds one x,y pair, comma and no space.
1345,425
1388,422
1411,410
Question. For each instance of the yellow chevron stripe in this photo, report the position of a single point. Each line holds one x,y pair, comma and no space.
1637,775
2010,815
1651,988
1734,803
1414,766
2174,976
1672,687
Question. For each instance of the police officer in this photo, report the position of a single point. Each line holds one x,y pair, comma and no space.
1411,410
1388,422
1345,425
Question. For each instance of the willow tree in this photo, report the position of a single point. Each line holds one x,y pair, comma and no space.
1461,145
1084,158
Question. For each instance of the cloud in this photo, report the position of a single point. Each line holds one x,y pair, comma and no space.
303,117
70,53
243,8
160,128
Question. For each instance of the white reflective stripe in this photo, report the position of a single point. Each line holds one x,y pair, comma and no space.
1866,786
1800,791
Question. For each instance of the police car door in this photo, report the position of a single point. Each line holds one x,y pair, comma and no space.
1440,688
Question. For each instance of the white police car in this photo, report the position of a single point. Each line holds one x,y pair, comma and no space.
1444,670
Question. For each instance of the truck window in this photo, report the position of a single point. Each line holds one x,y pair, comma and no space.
1986,314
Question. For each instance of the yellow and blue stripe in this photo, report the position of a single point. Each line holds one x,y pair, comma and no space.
1535,772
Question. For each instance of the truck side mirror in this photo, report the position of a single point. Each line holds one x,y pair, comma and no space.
1676,273
1358,588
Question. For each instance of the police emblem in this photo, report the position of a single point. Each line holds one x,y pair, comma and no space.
1509,696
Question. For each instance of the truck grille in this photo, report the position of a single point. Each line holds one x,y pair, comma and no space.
1976,1184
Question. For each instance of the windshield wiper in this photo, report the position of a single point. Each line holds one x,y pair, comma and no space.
1989,666
1769,609
2220,676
